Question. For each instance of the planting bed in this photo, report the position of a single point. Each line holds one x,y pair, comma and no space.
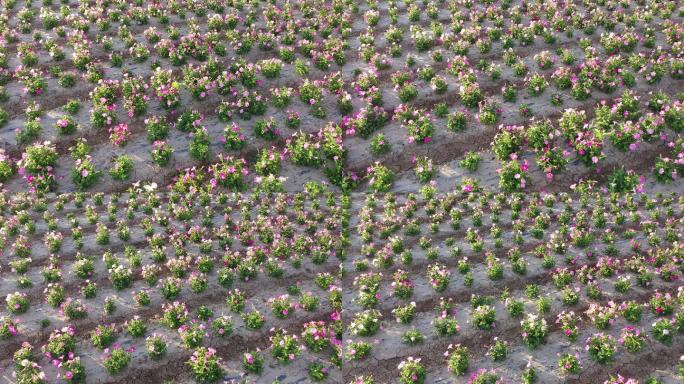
340,191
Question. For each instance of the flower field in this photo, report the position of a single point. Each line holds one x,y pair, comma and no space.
340,191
